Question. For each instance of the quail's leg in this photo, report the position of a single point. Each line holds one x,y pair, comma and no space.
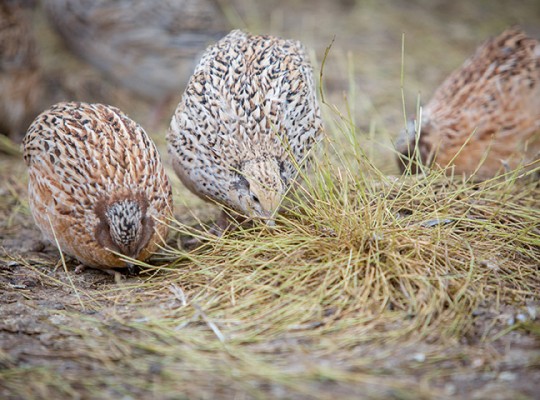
79,269
118,276
222,225
226,223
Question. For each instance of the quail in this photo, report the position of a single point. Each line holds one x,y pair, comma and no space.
246,123
484,119
96,184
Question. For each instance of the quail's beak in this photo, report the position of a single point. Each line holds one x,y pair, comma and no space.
268,218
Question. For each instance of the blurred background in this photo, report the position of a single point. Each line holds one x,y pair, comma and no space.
138,55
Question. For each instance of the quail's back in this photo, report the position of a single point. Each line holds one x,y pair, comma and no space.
486,114
96,183
246,122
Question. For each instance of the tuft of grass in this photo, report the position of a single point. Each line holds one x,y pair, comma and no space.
360,269
359,249
365,282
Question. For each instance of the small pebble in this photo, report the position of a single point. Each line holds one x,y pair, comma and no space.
507,376
521,317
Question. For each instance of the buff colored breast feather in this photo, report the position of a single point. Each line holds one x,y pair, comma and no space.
97,183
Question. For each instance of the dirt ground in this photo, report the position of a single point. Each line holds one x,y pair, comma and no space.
363,71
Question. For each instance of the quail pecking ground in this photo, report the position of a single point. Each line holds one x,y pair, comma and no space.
96,184
485,117
246,122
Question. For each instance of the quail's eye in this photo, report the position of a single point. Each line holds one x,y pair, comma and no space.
254,198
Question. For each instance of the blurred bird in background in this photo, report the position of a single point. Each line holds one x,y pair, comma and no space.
149,47
484,119
20,76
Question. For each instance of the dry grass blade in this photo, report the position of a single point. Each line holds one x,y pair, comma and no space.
7,146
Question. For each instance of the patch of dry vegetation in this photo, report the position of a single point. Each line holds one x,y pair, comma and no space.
369,285
359,275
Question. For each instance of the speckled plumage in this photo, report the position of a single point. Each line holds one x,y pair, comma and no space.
96,179
248,117
493,102
147,46
20,76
